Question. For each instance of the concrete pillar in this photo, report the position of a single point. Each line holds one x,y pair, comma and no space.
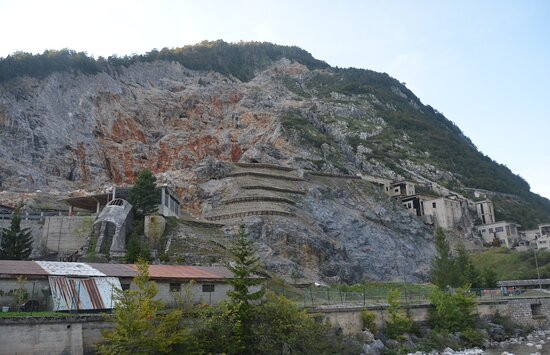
98,205
70,210
162,199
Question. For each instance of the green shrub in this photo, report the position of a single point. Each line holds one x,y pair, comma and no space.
472,337
399,321
452,312
369,320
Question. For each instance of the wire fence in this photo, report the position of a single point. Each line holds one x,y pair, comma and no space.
39,215
320,296
314,297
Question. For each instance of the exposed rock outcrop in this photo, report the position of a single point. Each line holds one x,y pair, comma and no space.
71,131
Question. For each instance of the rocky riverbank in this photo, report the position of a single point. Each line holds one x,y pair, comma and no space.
535,343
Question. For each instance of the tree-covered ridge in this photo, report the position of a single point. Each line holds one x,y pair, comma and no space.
241,60
436,140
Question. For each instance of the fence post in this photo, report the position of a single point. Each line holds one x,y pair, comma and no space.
32,297
328,295
312,300
364,297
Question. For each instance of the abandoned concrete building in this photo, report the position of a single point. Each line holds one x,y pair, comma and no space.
544,229
543,242
62,286
485,211
112,227
504,231
383,184
443,212
168,201
402,188
530,235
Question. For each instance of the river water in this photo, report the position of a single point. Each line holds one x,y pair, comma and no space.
536,343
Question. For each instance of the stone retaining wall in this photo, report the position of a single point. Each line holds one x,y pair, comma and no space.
525,311
265,166
265,175
272,188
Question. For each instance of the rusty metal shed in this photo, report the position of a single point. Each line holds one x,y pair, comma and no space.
76,294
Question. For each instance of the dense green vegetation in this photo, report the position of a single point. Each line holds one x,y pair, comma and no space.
240,60
448,270
248,324
34,314
512,265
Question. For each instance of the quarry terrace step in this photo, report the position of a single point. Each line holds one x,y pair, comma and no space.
250,213
272,188
265,166
259,199
247,206
343,176
265,175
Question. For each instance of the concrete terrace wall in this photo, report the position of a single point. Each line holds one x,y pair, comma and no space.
64,234
77,335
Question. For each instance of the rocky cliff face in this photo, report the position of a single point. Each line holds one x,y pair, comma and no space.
71,130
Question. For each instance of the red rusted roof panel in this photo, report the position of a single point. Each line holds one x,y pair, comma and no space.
18,267
186,272
114,270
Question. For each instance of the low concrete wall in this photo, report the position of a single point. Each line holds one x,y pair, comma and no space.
78,335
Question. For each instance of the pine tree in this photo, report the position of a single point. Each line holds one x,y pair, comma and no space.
442,270
16,243
244,269
466,270
143,195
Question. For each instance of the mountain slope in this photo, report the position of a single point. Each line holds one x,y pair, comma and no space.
68,121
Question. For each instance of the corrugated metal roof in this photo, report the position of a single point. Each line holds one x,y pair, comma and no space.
74,294
117,270
18,267
186,272
53,268
69,268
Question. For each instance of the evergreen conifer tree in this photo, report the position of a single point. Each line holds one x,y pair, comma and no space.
143,195
466,270
244,268
16,243
442,270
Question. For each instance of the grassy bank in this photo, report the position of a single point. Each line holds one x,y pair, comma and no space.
511,265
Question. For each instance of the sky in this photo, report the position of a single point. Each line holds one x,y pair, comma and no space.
484,64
